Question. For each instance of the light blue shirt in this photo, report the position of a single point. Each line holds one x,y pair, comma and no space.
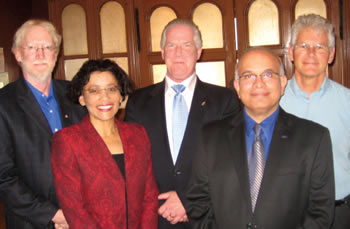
330,107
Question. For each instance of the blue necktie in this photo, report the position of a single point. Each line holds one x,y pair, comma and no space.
179,120
256,163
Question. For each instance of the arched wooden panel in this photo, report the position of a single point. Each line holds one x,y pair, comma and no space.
160,17
263,23
310,6
74,30
113,32
208,18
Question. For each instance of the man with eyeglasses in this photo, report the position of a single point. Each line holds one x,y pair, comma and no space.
263,168
310,94
32,109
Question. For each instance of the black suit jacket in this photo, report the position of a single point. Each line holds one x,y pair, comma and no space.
146,107
297,190
26,182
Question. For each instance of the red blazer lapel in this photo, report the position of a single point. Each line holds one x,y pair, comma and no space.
102,158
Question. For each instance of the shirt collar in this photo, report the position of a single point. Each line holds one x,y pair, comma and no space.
38,94
267,125
298,92
189,83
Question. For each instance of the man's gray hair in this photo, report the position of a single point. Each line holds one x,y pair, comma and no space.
197,36
21,32
281,71
315,22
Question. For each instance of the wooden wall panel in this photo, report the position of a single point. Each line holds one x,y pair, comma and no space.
346,42
12,14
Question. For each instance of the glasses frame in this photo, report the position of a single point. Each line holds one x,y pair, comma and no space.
264,76
319,48
98,91
33,49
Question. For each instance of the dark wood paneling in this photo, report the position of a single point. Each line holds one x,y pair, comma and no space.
336,68
40,9
12,14
2,219
346,42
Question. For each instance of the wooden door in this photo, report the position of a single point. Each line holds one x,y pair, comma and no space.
218,52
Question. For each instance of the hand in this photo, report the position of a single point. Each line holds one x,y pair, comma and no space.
60,221
172,209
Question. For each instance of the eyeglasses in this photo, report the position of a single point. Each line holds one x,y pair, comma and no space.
94,91
47,49
265,76
319,48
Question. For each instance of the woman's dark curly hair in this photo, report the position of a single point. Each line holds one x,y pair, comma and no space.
82,77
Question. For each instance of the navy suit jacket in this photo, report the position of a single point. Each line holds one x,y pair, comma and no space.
146,107
26,181
297,189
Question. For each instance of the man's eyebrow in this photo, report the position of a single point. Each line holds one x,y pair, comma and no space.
247,71
269,70
266,70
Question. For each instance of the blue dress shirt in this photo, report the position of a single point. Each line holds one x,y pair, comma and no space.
268,126
330,107
49,107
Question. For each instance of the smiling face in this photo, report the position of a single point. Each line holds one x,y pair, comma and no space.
180,52
310,63
101,97
260,97
37,64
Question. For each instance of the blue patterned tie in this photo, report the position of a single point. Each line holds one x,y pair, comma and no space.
180,115
256,163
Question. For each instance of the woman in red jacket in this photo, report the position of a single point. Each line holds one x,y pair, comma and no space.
102,167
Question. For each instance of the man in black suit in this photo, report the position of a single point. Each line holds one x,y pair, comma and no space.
31,110
263,168
154,108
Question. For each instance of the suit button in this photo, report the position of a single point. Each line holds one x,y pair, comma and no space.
177,172
249,225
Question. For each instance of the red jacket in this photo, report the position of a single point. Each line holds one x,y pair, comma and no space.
90,186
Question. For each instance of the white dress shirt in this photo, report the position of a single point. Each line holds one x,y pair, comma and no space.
169,94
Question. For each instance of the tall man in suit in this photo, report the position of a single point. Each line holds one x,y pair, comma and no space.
31,110
263,168
163,113
310,94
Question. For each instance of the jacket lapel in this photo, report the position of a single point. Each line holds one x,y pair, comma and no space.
30,106
278,149
239,154
156,104
64,105
194,122
99,155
